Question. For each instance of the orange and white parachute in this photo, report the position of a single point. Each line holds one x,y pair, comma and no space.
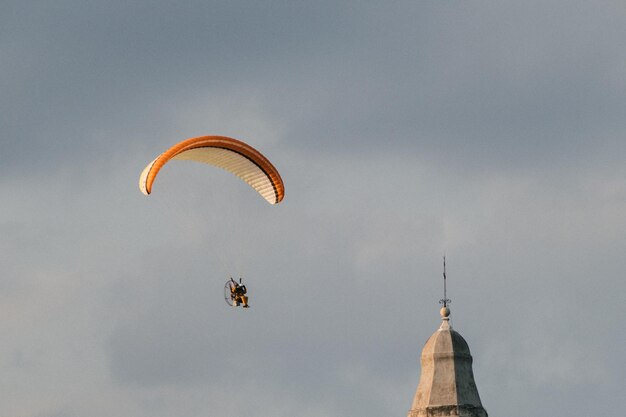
230,154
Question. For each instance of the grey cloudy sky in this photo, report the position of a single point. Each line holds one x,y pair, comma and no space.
493,132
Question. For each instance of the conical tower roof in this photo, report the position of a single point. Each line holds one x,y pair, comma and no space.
446,386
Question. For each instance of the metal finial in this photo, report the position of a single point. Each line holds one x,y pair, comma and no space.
445,300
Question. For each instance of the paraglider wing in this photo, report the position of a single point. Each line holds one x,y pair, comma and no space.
230,154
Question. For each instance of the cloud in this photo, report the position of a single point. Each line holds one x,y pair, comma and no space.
491,133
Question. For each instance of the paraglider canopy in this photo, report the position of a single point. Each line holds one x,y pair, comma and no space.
227,153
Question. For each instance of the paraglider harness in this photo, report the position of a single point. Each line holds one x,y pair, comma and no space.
238,293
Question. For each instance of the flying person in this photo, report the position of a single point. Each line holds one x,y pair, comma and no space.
238,294
234,156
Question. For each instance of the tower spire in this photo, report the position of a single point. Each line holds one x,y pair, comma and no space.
446,387
445,300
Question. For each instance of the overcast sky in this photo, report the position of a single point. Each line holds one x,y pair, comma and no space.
493,132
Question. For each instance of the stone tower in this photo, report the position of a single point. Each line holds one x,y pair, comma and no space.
446,386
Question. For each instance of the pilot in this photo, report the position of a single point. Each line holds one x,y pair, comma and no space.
238,294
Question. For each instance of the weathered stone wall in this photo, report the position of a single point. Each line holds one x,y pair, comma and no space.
449,411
